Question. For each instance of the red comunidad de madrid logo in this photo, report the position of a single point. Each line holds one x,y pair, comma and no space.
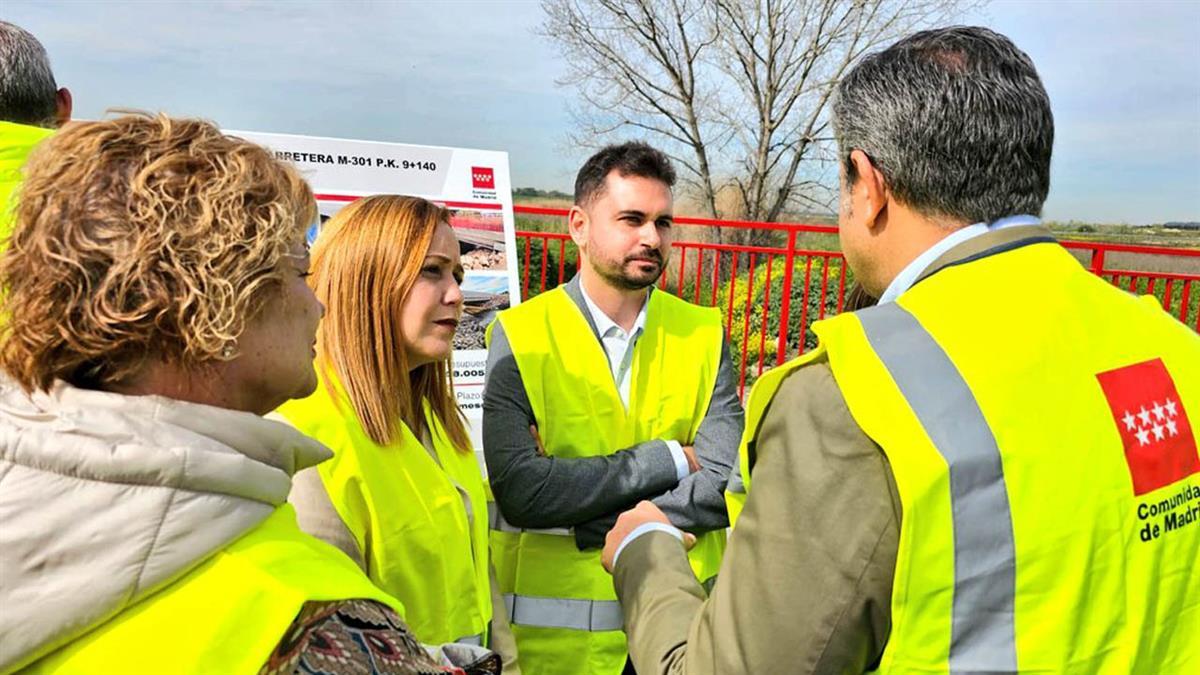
1160,447
483,178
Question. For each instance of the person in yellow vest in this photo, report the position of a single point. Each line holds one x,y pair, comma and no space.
404,493
598,394
994,469
32,106
157,304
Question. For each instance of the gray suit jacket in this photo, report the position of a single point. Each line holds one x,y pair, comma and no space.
535,491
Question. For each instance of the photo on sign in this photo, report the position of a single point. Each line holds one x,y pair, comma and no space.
325,211
480,238
484,295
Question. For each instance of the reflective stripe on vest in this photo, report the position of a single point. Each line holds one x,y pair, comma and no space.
497,523
589,615
1040,515
473,640
982,629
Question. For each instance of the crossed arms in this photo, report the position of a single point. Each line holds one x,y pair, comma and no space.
538,491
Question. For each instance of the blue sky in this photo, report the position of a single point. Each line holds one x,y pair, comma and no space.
1123,78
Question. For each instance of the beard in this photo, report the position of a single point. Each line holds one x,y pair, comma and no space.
629,273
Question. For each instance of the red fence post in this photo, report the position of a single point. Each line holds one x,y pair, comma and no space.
732,291
746,323
841,284
682,266
1185,308
545,256
824,285
789,257
716,274
1097,260
525,272
808,261
1183,305
766,315
562,260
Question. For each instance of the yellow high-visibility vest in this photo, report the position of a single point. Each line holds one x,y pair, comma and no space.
16,142
408,516
562,604
1038,423
227,615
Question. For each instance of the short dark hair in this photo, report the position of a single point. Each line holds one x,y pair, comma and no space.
633,158
28,93
957,121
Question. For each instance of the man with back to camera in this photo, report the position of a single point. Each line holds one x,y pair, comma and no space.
31,108
993,470
600,393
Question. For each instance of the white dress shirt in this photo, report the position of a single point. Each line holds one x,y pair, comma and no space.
908,275
619,346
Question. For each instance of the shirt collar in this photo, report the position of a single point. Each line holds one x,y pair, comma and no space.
908,276
603,323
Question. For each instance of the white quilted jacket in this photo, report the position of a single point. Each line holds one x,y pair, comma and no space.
105,498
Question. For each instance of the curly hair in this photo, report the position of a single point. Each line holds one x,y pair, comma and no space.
142,237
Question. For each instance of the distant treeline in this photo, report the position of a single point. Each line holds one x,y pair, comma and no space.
543,194
1175,233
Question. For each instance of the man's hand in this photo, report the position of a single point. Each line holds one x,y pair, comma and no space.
644,512
693,463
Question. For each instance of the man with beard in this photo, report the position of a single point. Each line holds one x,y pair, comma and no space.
601,393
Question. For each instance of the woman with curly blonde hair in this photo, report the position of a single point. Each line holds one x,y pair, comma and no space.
155,306
403,494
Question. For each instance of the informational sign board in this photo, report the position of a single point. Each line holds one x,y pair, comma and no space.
473,184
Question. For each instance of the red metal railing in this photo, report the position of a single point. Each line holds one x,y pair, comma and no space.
1179,292
806,283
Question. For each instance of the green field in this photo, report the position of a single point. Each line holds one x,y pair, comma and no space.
1145,235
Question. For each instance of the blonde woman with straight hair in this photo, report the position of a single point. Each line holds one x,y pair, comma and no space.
403,495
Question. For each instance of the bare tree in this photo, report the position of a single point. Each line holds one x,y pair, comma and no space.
638,65
736,91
